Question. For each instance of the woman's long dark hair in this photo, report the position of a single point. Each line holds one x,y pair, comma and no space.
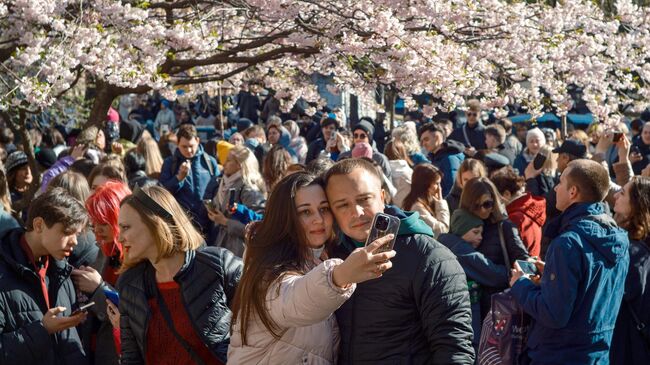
638,222
423,176
275,247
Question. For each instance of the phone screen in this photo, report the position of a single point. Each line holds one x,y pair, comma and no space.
231,198
382,225
528,267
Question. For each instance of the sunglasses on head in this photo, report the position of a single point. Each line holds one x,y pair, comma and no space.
488,204
360,136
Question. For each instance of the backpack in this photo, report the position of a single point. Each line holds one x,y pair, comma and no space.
504,333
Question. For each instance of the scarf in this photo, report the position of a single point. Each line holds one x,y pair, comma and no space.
227,182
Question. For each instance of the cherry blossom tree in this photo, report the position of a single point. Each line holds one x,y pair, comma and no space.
501,52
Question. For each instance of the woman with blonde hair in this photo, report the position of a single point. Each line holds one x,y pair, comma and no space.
241,176
469,169
148,148
175,293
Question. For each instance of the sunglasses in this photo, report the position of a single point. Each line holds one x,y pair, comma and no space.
472,114
488,204
359,136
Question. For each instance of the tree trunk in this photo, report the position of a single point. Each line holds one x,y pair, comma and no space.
105,94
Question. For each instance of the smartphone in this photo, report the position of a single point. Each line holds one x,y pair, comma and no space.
164,128
83,308
112,295
539,161
208,204
635,149
617,137
528,267
383,225
231,198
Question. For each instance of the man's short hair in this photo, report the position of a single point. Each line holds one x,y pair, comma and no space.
187,131
506,123
474,105
57,206
429,127
345,167
497,132
591,179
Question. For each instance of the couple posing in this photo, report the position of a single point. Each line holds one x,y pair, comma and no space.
409,305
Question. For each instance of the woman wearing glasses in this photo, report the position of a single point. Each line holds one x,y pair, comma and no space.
481,198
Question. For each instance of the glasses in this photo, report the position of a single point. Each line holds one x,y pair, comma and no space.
472,114
488,204
359,136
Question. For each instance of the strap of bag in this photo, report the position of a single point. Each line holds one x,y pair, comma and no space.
640,326
504,250
170,324
465,135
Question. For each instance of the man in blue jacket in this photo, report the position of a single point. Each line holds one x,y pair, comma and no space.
575,305
447,156
187,173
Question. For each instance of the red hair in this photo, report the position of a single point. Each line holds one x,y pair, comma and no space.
104,207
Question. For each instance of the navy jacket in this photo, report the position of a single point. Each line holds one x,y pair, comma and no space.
475,136
23,339
448,160
575,307
190,191
628,346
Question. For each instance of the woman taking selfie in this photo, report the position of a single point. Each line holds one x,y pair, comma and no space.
174,292
284,305
632,212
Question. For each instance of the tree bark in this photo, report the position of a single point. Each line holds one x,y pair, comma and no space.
104,97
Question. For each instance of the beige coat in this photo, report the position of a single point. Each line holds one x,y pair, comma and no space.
303,308
438,223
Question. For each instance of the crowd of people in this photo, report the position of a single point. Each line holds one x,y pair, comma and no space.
144,243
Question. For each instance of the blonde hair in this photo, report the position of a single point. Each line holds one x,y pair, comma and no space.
170,236
148,148
408,138
477,168
250,168
550,165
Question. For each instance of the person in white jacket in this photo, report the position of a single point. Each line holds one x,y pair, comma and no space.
284,304
426,198
400,165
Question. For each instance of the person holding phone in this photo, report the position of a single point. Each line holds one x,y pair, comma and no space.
419,312
283,309
37,325
240,173
175,293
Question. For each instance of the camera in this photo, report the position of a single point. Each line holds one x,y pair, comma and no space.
382,223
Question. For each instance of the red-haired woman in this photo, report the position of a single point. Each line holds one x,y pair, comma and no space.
104,208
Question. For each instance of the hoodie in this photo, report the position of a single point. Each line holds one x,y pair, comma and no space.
418,312
528,213
575,307
448,159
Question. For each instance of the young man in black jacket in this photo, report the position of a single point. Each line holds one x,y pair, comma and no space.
36,320
419,312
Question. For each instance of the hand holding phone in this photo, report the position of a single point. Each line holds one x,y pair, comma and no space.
208,204
539,161
383,225
231,200
528,267
53,323
112,295
365,263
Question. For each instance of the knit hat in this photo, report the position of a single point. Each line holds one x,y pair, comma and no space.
362,149
243,124
536,132
131,131
223,149
462,221
365,126
112,116
15,160
46,157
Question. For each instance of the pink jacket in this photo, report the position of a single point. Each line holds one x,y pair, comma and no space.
303,308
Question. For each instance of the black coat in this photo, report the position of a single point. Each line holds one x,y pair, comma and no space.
627,344
208,280
418,312
475,136
24,339
491,248
314,149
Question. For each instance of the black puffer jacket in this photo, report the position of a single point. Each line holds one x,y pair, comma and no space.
208,280
418,312
24,339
